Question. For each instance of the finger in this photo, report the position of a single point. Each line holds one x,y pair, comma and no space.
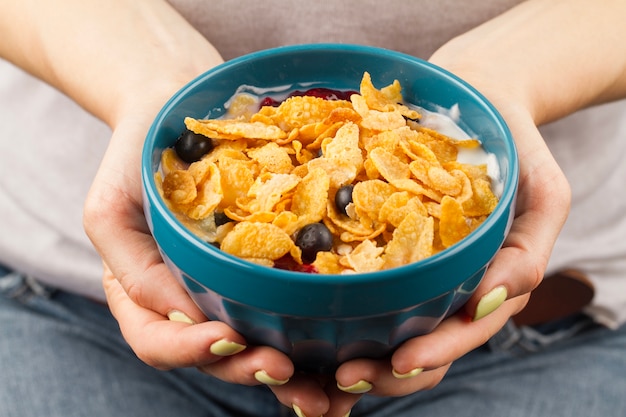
254,366
305,394
422,362
542,208
166,344
452,339
113,210
341,403
379,375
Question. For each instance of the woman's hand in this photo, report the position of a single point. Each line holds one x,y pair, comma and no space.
542,206
158,319
160,322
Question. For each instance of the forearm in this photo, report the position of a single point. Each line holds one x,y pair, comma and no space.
106,55
554,56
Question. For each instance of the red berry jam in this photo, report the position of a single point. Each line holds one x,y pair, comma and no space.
321,92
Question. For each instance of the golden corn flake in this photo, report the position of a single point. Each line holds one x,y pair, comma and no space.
299,111
345,146
311,195
412,241
483,200
452,223
257,240
443,181
237,177
364,258
209,195
388,99
268,189
381,121
170,162
234,129
389,166
369,197
342,114
274,170
340,171
398,205
273,158
328,263
179,187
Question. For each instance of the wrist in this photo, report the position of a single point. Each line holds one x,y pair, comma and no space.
143,95
504,85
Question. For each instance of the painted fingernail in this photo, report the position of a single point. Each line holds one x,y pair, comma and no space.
179,316
490,302
297,410
406,375
264,378
347,414
360,387
226,348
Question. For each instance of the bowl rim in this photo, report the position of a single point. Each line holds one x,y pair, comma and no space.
151,193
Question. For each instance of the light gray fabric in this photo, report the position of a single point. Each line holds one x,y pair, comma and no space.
50,148
590,147
416,27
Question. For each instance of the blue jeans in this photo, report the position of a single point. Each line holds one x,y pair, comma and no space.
62,355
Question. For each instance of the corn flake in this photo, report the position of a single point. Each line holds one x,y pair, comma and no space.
272,158
388,165
412,241
365,257
234,129
257,240
179,187
452,224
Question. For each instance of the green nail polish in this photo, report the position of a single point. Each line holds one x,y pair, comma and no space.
179,316
490,302
264,378
226,348
360,387
410,374
297,410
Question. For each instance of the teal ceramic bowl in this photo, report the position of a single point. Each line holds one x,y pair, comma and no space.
324,320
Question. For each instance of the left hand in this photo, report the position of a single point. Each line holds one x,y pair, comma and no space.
422,362
542,207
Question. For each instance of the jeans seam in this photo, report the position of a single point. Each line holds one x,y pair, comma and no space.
22,288
524,340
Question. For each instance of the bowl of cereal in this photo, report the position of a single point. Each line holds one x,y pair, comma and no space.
331,201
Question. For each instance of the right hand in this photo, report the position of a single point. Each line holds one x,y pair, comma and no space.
141,291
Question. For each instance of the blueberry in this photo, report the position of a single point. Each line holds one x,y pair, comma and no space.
343,198
313,238
221,218
190,146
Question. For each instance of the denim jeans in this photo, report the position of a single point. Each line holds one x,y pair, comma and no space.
63,355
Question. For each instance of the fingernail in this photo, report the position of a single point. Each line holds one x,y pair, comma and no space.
226,348
264,378
410,374
179,316
490,302
347,414
297,410
360,387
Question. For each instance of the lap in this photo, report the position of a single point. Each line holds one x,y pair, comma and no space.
63,355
